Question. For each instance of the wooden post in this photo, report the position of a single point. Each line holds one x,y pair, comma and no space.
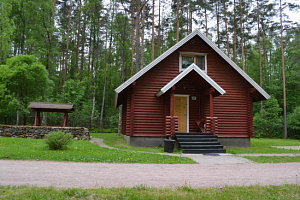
132,109
250,111
65,124
211,105
172,102
37,119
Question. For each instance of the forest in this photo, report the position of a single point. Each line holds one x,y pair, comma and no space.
79,51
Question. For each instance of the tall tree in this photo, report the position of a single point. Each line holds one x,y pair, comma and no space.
234,31
152,50
283,75
137,26
78,34
158,37
242,37
132,35
226,27
258,41
67,50
177,23
143,34
218,24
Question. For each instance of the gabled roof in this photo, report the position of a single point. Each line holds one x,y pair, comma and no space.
51,107
178,45
191,68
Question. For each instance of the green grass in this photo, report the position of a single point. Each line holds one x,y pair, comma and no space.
113,140
273,159
264,145
79,151
289,192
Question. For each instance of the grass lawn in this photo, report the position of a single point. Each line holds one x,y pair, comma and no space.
113,140
273,159
79,151
142,192
264,145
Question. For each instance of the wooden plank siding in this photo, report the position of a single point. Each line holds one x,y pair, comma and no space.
144,113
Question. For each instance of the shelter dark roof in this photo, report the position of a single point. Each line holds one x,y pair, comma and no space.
51,107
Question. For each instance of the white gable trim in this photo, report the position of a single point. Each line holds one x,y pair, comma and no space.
186,72
155,62
179,44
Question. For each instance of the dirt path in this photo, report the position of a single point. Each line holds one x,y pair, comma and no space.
94,175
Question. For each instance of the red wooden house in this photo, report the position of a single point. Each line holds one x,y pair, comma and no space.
192,87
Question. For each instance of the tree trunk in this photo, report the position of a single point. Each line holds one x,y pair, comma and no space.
225,18
51,36
67,50
142,36
218,24
158,38
190,17
63,63
177,19
264,45
205,13
93,100
18,118
234,32
242,39
152,52
283,76
137,53
258,41
82,46
106,70
78,34
122,76
44,120
132,35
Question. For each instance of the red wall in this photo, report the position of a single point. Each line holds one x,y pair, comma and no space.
149,111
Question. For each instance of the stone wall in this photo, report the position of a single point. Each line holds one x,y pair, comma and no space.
39,132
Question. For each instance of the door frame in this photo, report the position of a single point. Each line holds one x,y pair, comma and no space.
188,109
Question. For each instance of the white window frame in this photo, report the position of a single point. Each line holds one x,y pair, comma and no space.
193,54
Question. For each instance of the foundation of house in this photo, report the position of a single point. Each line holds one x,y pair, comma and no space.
159,141
145,141
235,142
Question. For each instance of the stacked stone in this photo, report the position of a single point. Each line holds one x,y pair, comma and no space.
39,132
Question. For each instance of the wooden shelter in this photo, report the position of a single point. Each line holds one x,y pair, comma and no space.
39,107
192,87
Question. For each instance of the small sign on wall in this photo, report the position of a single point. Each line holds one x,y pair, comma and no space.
194,98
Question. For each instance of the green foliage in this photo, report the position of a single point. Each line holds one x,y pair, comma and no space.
7,27
293,121
268,122
22,80
58,140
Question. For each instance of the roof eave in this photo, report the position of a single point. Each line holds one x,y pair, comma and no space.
184,73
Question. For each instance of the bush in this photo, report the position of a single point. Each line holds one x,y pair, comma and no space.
268,123
58,140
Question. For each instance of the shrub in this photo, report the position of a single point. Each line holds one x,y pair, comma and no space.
58,140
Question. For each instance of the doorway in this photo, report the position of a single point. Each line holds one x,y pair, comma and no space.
181,109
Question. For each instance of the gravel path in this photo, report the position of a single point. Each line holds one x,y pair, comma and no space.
95,175
212,171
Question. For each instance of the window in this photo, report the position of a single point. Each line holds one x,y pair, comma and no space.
186,59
